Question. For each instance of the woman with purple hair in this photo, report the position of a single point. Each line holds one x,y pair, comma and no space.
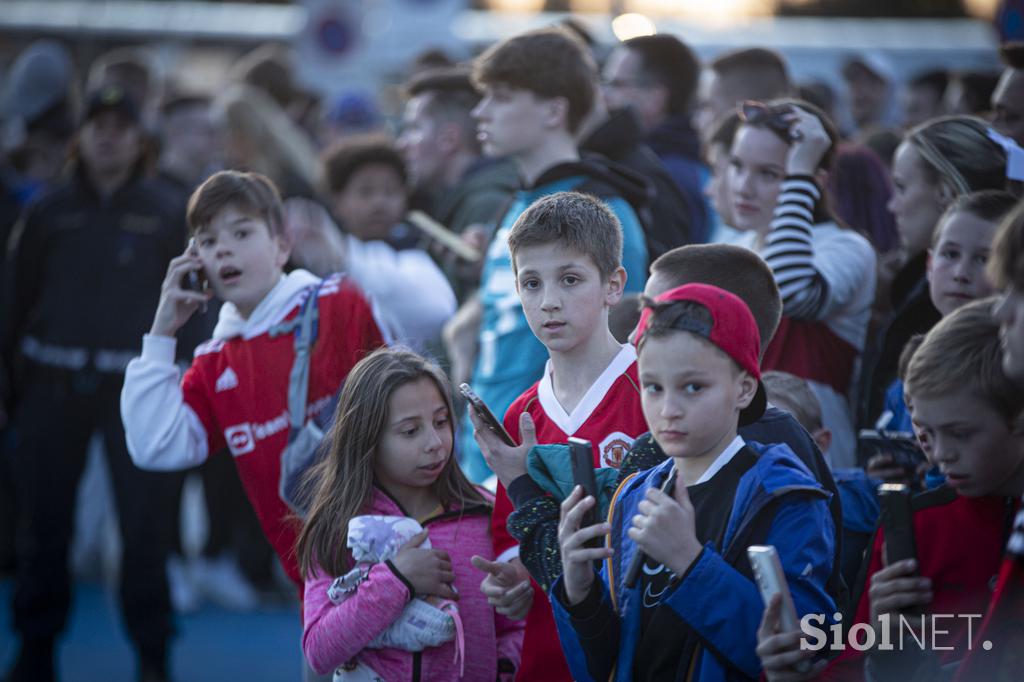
861,188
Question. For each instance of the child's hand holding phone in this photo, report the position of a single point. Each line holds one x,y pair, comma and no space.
665,529
179,302
577,558
898,588
779,650
506,459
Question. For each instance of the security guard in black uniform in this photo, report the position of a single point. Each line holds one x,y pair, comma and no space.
84,270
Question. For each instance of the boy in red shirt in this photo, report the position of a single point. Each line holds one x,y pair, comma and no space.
235,394
965,410
566,253
1002,624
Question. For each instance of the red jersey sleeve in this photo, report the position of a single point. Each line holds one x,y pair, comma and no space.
196,394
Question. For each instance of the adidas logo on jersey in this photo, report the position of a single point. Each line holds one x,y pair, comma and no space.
227,380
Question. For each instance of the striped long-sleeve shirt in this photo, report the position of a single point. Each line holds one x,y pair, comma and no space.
826,277
789,251
823,272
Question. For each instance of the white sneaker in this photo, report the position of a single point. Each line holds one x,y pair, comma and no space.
221,581
185,598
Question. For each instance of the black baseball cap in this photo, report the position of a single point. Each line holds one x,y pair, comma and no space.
111,98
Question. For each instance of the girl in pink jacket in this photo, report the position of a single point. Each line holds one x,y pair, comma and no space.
391,455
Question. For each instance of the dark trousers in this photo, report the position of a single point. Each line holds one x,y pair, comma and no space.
56,415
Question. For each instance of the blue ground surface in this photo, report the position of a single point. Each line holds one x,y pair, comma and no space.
212,644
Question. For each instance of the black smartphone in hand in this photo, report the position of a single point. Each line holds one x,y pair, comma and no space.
581,453
898,522
482,411
194,280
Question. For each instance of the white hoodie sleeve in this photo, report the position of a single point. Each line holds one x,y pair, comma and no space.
163,432
413,294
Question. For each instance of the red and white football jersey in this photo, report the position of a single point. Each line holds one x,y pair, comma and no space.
611,418
238,388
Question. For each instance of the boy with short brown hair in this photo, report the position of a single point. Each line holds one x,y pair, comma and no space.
235,395
965,412
565,251
568,70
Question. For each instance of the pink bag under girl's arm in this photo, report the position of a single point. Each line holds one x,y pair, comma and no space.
333,634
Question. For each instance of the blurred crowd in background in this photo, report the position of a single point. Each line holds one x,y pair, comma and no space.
396,189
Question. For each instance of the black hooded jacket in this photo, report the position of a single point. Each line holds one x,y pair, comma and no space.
666,218
84,271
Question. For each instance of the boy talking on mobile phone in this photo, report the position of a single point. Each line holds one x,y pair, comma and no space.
235,394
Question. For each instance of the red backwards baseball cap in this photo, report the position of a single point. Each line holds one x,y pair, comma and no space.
733,330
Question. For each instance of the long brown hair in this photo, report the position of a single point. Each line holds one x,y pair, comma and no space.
343,480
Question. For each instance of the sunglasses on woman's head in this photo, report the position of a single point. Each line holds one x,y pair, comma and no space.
760,114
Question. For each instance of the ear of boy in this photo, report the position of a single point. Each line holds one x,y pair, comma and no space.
449,137
823,438
557,113
746,390
616,287
284,251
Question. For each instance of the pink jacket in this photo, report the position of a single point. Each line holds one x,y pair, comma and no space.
334,634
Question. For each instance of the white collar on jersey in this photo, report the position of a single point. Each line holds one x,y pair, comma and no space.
570,423
730,451
271,310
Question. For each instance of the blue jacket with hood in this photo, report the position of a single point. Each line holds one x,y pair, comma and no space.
777,502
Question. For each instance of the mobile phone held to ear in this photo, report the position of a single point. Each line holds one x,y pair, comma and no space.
486,415
195,280
764,561
581,453
898,522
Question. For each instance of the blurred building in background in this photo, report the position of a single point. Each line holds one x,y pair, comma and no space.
342,45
